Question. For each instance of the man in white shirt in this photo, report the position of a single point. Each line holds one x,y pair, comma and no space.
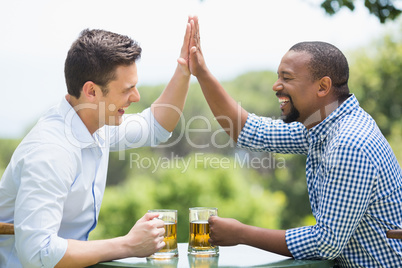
53,186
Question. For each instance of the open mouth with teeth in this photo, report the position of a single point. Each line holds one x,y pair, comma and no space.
283,101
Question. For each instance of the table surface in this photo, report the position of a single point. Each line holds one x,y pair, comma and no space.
237,256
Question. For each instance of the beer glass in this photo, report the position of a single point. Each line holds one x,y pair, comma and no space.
207,261
169,217
199,232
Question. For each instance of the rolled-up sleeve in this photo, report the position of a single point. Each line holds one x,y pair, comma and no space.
53,251
46,175
265,134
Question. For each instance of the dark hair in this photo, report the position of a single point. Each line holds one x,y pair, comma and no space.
94,56
327,60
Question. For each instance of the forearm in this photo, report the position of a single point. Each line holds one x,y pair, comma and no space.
144,239
86,253
230,232
230,115
168,108
266,239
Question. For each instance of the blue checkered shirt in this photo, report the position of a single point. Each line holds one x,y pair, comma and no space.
354,184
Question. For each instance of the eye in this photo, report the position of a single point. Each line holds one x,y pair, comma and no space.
128,90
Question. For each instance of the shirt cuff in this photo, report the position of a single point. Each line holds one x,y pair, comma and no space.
161,133
54,251
244,137
138,130
300,243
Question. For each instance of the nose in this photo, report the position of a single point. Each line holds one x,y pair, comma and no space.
135,95
277,86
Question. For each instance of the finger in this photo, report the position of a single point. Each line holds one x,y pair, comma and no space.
193,40
161,245
148,217
184,65
212,219
185,47
197,30
151,215
182,61
193,50
212,242
157,223
162,232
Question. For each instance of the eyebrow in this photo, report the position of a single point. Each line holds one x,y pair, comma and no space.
130,87
284,72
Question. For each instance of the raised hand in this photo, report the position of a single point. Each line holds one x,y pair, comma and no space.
185,49
197,63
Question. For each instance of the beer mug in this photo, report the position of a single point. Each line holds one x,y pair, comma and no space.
169,217
199,232
207,261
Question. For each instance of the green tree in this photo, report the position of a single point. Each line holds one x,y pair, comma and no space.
260,99
376,81
383,9
275,196
207,180
7,147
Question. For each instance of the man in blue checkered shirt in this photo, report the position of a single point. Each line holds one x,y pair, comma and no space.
353,177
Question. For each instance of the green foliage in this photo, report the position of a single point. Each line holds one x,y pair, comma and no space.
271,195
7,147
382,9
254,91
208,180
376,80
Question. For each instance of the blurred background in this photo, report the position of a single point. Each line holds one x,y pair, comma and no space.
243,42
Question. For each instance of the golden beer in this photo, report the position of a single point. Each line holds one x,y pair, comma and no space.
199,232
170,250
199,235
170,237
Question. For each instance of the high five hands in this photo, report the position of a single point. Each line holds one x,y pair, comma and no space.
191,59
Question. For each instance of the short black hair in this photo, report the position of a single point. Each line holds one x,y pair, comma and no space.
95,56
327,60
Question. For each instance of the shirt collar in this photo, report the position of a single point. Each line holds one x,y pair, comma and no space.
323,128
76,131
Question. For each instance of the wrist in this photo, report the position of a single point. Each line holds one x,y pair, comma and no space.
122,247
183,71
203,74
241,233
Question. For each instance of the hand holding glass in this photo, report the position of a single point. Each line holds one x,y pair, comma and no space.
169,216
199,231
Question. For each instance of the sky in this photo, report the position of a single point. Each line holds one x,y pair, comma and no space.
237,36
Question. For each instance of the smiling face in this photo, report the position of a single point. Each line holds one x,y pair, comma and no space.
122,91
295,88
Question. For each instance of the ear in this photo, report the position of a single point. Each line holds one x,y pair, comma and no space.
89,91
325,86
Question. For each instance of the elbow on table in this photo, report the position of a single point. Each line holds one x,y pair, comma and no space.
330,251
28,258
33,253
27,254
38,258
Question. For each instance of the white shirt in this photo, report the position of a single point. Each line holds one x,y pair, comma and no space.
53,187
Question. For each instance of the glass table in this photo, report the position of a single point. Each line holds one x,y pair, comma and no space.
236,256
